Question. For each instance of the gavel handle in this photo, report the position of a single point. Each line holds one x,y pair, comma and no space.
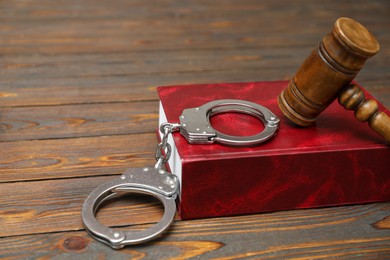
352,98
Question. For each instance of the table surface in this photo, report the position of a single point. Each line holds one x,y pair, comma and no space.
78,105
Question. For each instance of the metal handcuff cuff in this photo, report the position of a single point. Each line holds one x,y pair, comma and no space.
155,181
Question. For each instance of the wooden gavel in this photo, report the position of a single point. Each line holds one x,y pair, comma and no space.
327,73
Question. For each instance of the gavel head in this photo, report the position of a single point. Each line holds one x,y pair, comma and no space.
331,66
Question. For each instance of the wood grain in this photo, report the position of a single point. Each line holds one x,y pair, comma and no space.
78,105
329,68
366,110
70,121
75,157
272,235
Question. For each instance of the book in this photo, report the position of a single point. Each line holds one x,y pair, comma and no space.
338,161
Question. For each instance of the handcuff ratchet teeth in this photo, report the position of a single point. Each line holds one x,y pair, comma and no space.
155,181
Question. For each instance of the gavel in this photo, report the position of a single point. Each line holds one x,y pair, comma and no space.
327,73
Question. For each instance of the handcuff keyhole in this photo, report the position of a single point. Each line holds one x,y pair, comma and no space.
236,124
130,212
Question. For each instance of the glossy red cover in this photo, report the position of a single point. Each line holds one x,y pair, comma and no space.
337,161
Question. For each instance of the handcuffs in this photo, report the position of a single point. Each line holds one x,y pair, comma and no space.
155,181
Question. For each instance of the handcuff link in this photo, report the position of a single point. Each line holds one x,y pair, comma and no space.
155,181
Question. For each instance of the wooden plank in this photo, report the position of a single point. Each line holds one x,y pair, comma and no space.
75,157
55,205
27,123
127,88
167,9
205,38
114,89
128,64
148,62
145,34
289,234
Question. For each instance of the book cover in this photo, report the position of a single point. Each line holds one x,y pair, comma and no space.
337,161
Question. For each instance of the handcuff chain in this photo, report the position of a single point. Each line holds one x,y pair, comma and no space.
164,149
195,127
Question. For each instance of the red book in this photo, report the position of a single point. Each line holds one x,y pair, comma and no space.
337,161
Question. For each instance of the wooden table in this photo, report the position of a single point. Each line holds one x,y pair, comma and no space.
78,105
